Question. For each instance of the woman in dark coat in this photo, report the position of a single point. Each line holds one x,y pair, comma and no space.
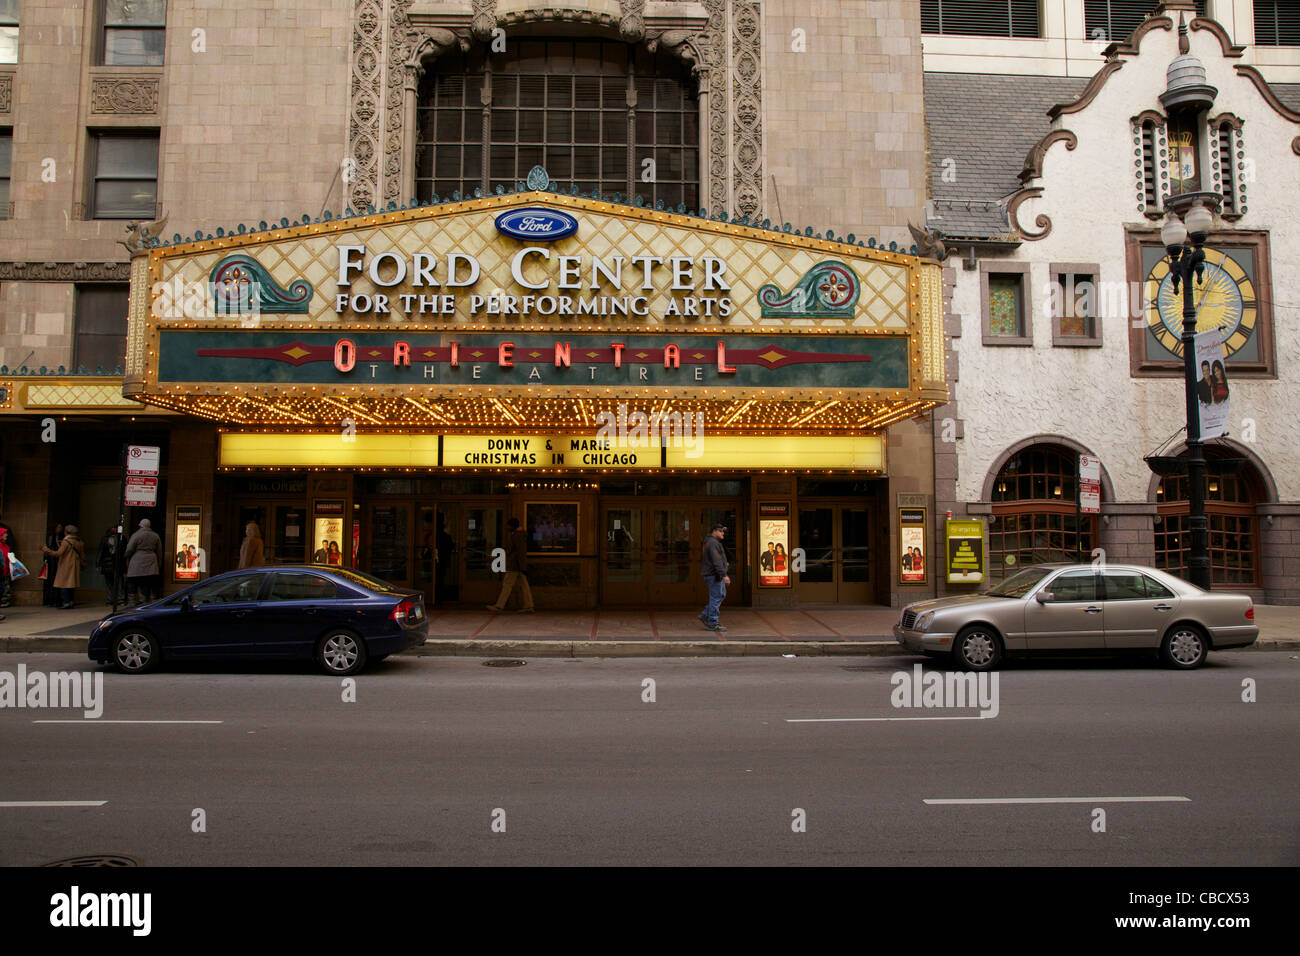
52,542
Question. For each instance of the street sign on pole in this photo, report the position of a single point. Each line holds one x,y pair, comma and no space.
142,460
141,491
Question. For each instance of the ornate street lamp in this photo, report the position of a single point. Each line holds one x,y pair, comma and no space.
1185,244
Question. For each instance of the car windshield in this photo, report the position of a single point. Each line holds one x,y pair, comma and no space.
1021,583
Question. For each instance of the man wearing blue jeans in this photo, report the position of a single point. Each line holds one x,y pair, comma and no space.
713,568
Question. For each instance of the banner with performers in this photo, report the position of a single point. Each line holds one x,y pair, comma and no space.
1211,384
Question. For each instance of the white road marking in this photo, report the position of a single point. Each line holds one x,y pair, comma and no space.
52,803
100,720
1005,800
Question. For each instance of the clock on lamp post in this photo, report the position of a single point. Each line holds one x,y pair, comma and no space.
1184,241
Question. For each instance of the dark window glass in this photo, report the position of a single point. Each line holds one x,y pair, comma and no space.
290,586
1111,20
1074,586
126,176
563,105
1277,23
134,32
237,590
101,327
6,161
998,18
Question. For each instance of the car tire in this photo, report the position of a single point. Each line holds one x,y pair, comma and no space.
340,653
135,651
1184,647
977,648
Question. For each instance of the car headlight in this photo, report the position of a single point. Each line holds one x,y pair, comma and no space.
923,622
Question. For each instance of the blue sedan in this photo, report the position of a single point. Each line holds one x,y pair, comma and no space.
337,617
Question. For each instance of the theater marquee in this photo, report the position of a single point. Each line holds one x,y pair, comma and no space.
534,313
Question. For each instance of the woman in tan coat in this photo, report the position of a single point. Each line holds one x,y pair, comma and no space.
250,552
71,555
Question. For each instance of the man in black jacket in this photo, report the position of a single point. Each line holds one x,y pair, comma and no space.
516,570
713,568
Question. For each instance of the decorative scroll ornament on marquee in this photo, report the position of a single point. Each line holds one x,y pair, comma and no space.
829,288
241,285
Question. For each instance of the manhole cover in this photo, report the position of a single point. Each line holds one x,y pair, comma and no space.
504,662
96,859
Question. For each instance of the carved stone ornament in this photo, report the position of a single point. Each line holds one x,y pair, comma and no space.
388,52
65,271
124,95
6,92
631,23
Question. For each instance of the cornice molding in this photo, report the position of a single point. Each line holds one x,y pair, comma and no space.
65,271
1230,49
1033,167
1042,221
1266,91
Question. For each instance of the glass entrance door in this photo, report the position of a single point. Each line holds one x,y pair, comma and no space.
482,529
836,541
389,541
650,552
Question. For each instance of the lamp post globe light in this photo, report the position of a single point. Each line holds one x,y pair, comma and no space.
1184,241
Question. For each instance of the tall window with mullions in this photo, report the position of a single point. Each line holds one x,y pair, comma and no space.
597,114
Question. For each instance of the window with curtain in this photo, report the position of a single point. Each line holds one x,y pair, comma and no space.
125,183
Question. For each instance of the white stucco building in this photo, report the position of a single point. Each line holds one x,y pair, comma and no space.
1054,253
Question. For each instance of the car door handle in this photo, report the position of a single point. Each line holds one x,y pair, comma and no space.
1092,610
1163,607
241,613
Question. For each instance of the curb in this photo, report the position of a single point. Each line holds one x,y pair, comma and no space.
435,647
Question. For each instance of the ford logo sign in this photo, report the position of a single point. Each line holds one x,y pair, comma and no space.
536,225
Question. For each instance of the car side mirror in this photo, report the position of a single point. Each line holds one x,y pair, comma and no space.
1044,597
186,603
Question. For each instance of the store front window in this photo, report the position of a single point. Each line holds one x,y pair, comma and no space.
1035,513
1230,500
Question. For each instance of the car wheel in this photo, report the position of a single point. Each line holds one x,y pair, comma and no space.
341,653
977,648
135,652
1184,647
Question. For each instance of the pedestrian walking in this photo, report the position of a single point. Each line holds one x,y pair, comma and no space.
108,567
71,555
6,548
52,541
144,564
516,571
713,568
250,552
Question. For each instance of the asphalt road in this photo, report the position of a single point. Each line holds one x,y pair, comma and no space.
580,769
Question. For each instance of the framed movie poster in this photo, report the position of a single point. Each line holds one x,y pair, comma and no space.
913,561
773,546
327,540
188,557
551,526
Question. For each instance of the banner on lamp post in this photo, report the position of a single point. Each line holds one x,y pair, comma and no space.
1211,384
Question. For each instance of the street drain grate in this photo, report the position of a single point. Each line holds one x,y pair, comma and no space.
505,662
95,859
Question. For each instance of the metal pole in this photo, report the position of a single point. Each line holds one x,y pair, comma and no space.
119,574
1198,562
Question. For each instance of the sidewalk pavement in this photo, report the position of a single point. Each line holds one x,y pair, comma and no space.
808,631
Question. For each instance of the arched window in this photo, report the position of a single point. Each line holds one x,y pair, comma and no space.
1230,499
1035,515
597,114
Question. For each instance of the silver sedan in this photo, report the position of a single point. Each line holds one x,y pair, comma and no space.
1047,607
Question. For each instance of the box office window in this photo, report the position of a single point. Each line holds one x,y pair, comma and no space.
133,32
9,31
125,180
101,327
596,114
